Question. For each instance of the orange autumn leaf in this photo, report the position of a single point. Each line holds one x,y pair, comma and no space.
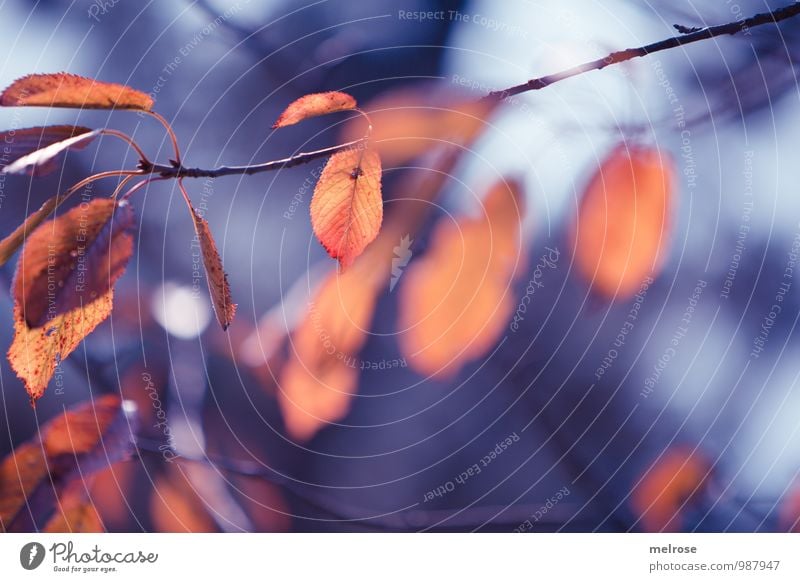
314,105
10,244
109,492
406,124
67,90
35,353
85,439
21,473
313,398
75,512
217,280
455,301
175,506
623,225
347,207
673,479
317,383
263,502
33,150
73,260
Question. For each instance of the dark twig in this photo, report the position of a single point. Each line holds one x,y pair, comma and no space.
180,171
628,54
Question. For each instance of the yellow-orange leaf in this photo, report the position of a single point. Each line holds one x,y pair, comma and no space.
314,105
317,383
311,399
622,231
456,300
67,90
659,497
218,285
35,353
347,207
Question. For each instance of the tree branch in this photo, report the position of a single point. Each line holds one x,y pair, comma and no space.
179,171
625,55
689,35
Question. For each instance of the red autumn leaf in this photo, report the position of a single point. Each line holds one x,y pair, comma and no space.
67,90
33,150
218,285
85,439
73,260
35,353
622,231
668,484
347,208
314,105
456,300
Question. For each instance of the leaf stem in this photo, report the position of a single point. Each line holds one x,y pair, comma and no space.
173,138
129,140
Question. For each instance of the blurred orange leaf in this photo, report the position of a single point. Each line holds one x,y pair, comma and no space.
85,439
621,234
314,105
789,515
347,208
175,506
455,301
76,513
317,382
406,124
67,90
665,487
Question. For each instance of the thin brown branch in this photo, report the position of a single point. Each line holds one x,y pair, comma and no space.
625,55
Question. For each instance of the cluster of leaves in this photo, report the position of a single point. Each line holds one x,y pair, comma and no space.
63,286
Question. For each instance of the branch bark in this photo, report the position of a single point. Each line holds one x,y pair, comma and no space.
180,171
614,58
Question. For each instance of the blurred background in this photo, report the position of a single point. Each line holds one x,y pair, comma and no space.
698,435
